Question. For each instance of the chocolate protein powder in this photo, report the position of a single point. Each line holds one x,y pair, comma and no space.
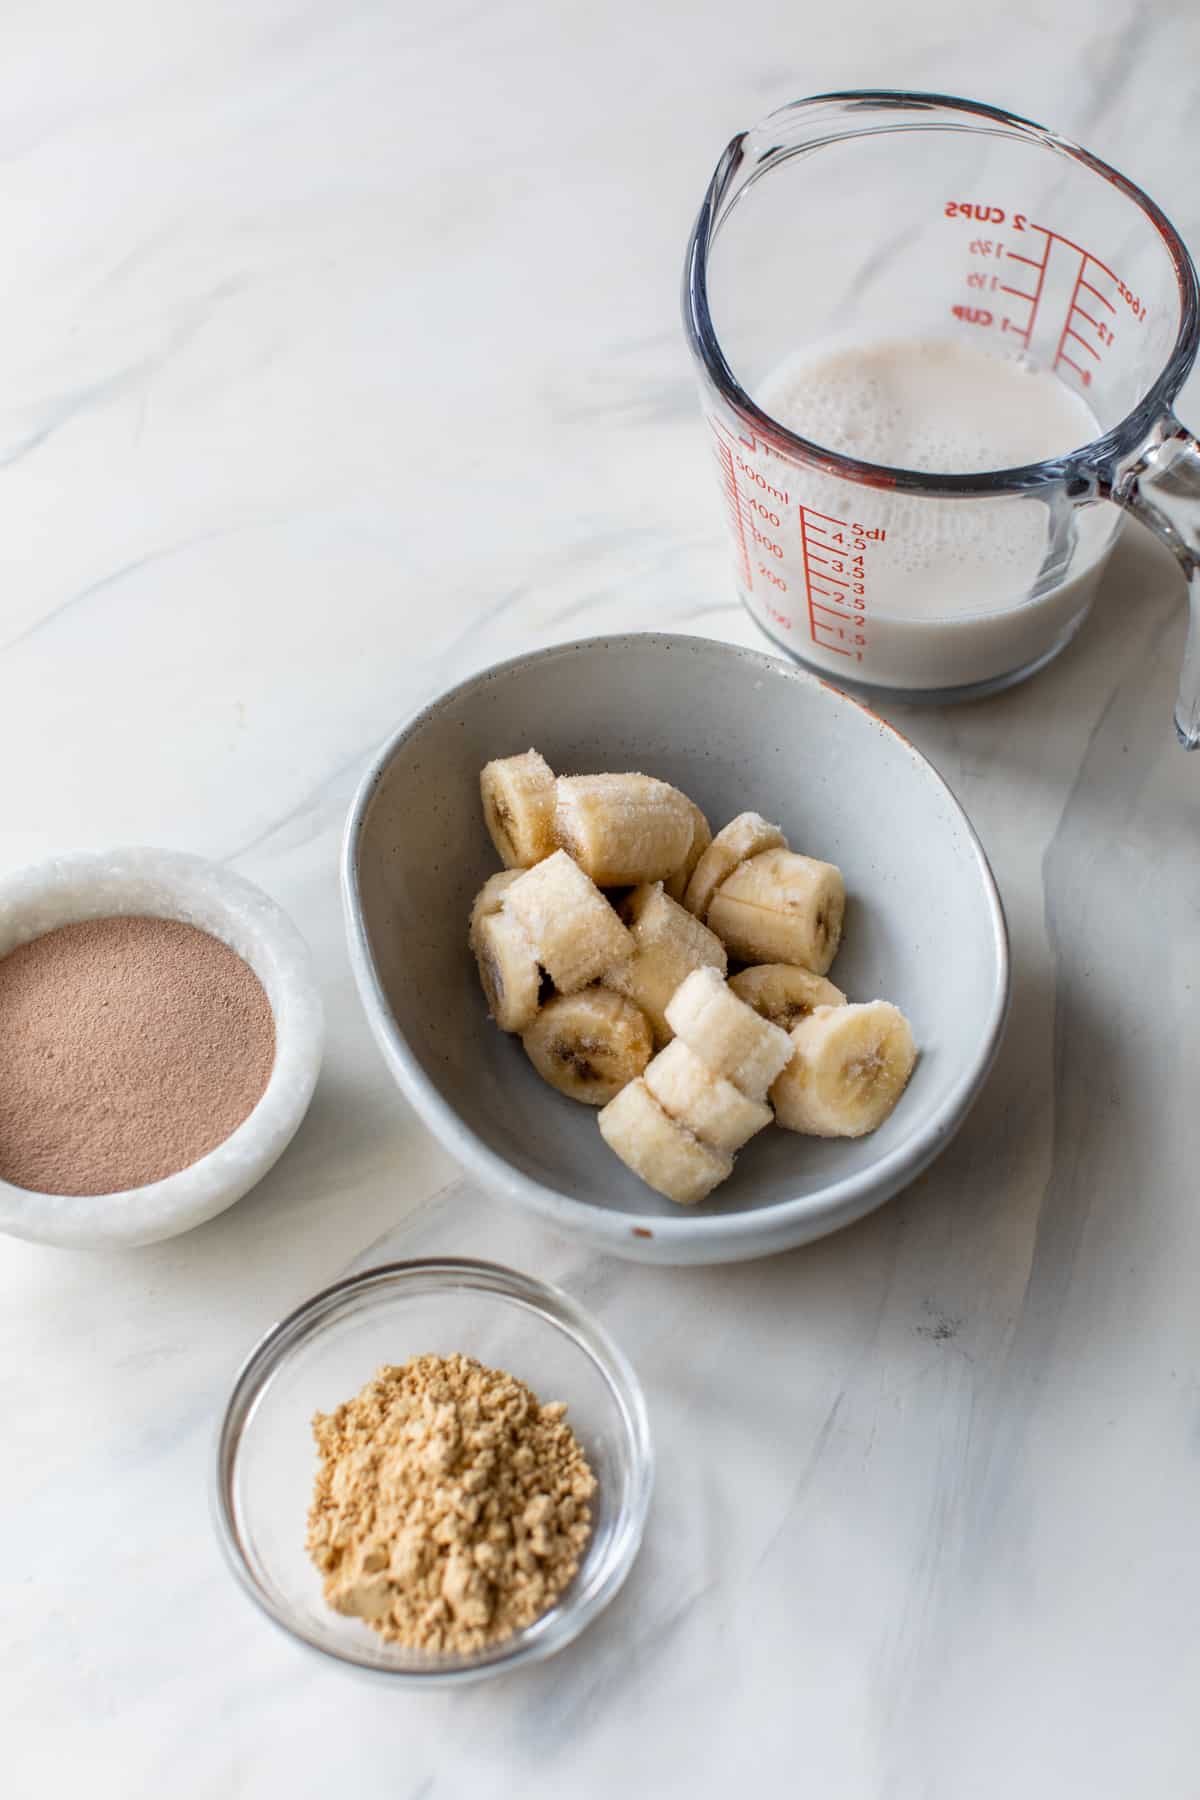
129,1048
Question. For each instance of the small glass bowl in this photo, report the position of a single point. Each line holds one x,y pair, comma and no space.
323,1353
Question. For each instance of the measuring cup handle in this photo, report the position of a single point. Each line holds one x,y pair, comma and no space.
1162,489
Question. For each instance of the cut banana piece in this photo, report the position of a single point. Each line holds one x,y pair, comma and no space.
743,837
784,992
575,934
849,1066
667,1156
490,898
780,907
710,1107
508,969
727,1034
518,808
669,944
623,829
676,887
589,1045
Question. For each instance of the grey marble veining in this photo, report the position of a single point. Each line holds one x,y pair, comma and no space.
341,356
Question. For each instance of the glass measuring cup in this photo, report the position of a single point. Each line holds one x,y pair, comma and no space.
885,216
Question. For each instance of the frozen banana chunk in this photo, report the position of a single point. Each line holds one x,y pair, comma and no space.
575,933
727,1034
589,1045
668,944
743,837
508,971
781,907
518,808
623,829
666,1155
712,1108
676,886
785,993
849,1066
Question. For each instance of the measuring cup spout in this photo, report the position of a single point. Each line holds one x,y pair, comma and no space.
1162,489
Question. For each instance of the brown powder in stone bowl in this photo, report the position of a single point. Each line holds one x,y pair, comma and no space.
129,1048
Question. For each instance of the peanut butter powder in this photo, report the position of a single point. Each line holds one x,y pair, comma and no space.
451,1508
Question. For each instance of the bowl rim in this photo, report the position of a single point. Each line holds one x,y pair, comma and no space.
838,1202
203,1189
555,1307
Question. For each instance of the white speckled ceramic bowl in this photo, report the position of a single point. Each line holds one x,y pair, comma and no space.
168,885
735,729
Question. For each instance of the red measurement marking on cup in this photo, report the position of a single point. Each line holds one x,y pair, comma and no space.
834,556
733,502
1037,278
757,507
833,551
1085,333
1093,296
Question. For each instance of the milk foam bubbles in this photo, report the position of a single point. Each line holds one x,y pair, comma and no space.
951,592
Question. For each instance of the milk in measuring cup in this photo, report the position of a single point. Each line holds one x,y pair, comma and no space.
905,591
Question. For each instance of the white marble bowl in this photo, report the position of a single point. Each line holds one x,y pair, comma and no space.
169,885
735,729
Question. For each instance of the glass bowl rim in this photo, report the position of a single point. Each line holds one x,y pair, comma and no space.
554,1307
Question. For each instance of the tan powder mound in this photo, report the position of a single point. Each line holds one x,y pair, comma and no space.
451,1507
129,1048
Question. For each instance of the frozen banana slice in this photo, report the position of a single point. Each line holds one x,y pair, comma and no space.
784,992
744,836
623,829
589,1045
727,1034
518,808
781,907
712,1108
668,945
575,934
676,886
508,970
490,898
667,1156
849,1066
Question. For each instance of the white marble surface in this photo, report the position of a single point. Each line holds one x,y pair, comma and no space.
340,354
